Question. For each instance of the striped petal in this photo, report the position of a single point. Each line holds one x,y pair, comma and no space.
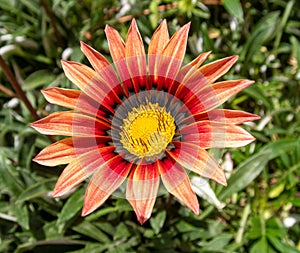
177,183
60,152
209,134
64,97
216,69
91,83
104,70
171,58
97,60
213,96
80,169
71,124
115,43
196,159
142,187
235,117
108,177
135,57
157,43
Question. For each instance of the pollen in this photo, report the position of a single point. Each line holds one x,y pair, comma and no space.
147,130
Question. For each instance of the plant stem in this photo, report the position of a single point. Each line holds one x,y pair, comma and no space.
8,92
53,22
16,86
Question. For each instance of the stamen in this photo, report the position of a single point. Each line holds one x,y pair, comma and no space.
147,130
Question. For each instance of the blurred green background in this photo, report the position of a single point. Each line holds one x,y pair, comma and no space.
262,211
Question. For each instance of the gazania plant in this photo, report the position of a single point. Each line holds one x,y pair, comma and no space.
140,119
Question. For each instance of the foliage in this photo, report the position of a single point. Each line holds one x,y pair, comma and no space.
263,190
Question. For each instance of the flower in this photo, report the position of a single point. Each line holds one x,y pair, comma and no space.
142,119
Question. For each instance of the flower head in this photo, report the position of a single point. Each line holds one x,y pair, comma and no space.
142,119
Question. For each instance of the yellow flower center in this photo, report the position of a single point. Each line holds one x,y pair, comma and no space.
147,130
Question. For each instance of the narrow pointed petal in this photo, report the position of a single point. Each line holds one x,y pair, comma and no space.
209,134
80,169
104,182
94,85
115,43
79,74
177,44
71,124
177,183
216,69
196,63
235,117
58,153
135,57
157,43
212,96
104,69
228,89
198,160
170,60
64,97
97,60
159,39
141,192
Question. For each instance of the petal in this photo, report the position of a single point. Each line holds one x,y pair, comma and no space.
97,60
222,115
209,134
142,187
171,58
71,124
135,57
64,97
159,39
198,160
177,183
104,69
210,97
104,182
216,69
115,43
157,43
80,169
176,46
91,83
60,152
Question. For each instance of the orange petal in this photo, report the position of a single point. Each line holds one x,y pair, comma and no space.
135,57
157,43
209,134
71,124
79,74
60,152
64,97
80,169
216,69
177,183
159,39
104,182
141,192
177,44
97,60
212,96
115,43
196,159
196,63
104,69
222,115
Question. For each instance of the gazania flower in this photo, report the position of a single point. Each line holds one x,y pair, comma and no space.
142,119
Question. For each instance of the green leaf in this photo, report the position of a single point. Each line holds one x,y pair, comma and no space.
218,242
38,79
71,208
234,8
36,190
158,221
260,246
